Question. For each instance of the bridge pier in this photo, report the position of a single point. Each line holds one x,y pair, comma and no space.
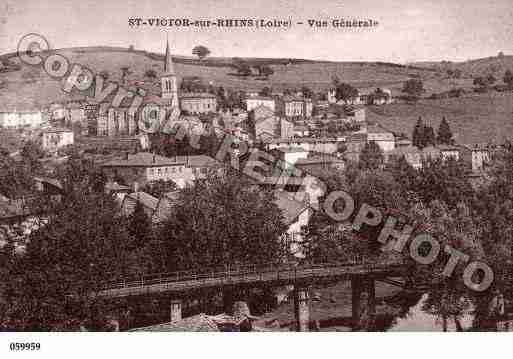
228,300
301,309
176,310
363,302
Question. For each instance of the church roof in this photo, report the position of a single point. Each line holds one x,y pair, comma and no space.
168,61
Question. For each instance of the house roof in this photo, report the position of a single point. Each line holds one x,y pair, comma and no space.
301,140
358,137
187,95
13,208
448,148
56,130
144,198
318,159
403,141
115,187
290,207
165,205
404,150
143,159
291,150
289,98
53,181
201,161
196,323
479,146
260,98
431,151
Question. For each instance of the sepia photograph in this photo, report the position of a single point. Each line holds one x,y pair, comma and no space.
254,166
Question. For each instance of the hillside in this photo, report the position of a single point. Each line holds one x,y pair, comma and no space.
495,65
473,119
31,85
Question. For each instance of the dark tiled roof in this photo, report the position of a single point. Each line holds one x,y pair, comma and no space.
290,207
197,323
196,95
261,98
143,159
201,161
145,199
448,148
301,140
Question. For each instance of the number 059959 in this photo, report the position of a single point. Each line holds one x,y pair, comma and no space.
24,347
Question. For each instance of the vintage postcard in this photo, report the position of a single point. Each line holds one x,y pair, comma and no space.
255,166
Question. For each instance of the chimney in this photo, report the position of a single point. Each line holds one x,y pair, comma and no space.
136,186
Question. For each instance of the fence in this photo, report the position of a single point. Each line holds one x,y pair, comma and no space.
254,273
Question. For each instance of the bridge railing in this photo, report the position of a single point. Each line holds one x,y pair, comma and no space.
255,271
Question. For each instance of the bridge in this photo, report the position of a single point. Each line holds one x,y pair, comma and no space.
361,273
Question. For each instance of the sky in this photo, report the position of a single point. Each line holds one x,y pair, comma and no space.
422,30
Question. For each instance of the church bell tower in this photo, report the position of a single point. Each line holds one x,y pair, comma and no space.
168,80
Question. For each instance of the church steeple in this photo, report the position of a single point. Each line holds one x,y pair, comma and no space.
168,80
168,61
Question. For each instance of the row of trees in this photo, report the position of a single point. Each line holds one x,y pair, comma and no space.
484,82
437,199
245,69
423,135
84,242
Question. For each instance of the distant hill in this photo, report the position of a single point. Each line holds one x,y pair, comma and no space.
495,65
22,85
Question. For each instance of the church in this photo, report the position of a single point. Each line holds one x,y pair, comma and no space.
120,121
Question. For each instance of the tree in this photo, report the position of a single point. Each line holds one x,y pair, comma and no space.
125,71
200,51
444,133
429,136
151,74
104,74
345,92
371,156
32,152
266,71
307,92
495,213
265,91
508,78
332,128
139,226
341,147
444,180
418,137
83,245
16,177
414,88
490,79
480,82
222,221
243,69
405,175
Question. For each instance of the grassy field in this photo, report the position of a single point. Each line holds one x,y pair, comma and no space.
477,118
473,119
33,85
